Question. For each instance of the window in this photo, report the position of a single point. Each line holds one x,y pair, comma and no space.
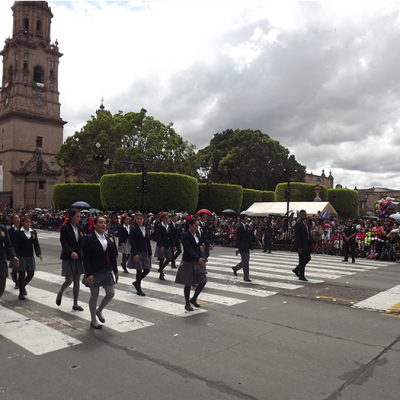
39,141
38,74
41,185
10,73
39,167
39,26
51,74
25,65
25,23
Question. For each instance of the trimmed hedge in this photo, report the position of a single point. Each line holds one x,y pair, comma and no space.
250,196
306,192
268,196
344,201
220,197
165,191
66,194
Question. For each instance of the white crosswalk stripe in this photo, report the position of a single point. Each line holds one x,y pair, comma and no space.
268,271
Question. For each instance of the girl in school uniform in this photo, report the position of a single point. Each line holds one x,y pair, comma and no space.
140,258
123,241
25,241
71,238
15,225
165,248
99,262
192,268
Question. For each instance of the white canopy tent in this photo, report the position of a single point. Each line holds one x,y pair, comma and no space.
312,208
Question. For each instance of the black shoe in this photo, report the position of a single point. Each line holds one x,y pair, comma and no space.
140,293
58,300
174,266
234,271
195,303
162,277
345,260
98,316
303,278
354,261
269,252
247,280
264,251
188,308
21,297
77,308
126,271
295,272
95,326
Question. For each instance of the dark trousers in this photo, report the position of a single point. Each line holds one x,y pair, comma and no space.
267,243
244,264
349,246
177,254
304,258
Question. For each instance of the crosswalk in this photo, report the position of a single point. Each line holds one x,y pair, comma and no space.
270,274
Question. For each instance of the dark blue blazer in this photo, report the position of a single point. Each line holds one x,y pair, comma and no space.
23,245
69,243
244,238
95,258
175,232
138,242
191,250
6,245
202,237
164,238
123,235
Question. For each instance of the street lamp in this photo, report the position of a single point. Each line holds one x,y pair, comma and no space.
317,190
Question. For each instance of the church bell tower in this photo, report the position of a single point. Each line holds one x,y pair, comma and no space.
31,129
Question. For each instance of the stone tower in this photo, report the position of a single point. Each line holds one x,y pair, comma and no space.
31,129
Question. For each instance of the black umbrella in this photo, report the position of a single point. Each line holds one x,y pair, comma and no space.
228,211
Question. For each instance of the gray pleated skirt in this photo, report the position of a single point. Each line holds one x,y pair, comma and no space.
167,253
125,248
143,263
71,267
3,269
101,279
190,273
25,264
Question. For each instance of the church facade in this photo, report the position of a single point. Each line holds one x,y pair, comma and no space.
31,129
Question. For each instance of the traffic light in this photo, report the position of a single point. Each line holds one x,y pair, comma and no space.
144,186
98,157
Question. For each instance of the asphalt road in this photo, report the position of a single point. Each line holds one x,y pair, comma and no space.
276,338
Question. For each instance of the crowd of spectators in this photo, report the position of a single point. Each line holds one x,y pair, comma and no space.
378,239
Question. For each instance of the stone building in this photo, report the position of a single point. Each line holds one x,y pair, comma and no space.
325,180
31,129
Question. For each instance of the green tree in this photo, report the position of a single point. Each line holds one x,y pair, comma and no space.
131,137
249,158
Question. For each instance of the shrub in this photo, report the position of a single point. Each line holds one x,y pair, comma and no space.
268,196
66,194
165,191
344,201
306,192
250,196
220,197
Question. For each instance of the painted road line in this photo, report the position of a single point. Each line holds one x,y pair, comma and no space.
382,301
211,298
115,321
154,304
33,336
215,266
228,288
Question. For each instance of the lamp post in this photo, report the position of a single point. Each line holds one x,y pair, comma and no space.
365,200
317,190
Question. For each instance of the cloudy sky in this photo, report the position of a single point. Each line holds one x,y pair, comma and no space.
322,78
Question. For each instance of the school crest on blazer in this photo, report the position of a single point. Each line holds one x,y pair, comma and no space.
3,233
81,233
33,237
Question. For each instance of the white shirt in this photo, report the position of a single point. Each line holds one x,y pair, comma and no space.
127,227
76,232
196,238
143,229
28,234
102,240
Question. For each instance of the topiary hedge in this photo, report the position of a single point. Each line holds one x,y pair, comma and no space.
344,201
250,196
165,191
66,194
220,197
306,192
268,196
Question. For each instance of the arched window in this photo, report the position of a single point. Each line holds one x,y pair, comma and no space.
38,26
25,23
38,74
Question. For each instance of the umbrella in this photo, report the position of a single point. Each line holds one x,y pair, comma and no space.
204,210
228,211
248,213
38,209
294,213
81,204
395,216
84,211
